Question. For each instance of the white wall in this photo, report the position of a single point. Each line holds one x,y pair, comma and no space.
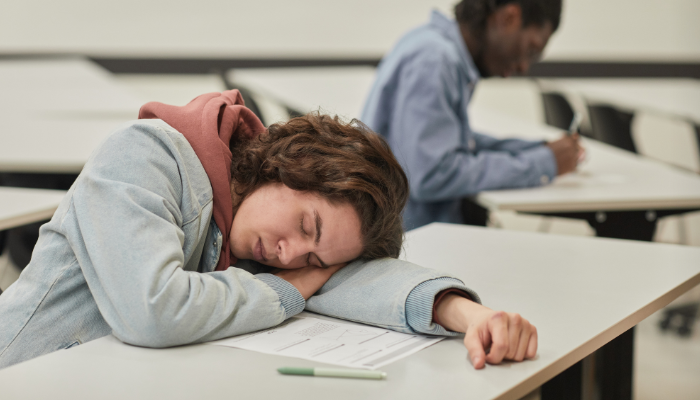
628,30
215,28
591,29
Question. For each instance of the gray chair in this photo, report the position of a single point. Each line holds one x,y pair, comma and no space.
612,126
697,136
557,110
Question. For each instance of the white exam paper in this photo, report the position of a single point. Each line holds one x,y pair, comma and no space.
349,345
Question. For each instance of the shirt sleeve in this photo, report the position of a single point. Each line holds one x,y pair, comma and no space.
388,293
512,146
126,230
429,139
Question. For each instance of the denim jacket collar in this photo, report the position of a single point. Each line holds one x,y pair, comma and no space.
449,28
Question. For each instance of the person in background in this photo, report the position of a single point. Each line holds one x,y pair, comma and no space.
419,104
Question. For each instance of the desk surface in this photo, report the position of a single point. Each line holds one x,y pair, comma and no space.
610,179
53,112
20,206
554,281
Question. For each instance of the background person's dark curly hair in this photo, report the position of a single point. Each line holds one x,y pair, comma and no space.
342,162
534,12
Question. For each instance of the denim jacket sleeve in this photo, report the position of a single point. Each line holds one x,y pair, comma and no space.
126,226
512,146
389,293
429,132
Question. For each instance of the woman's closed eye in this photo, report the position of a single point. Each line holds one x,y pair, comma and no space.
301,226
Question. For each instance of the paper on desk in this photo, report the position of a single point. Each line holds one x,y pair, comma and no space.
331,342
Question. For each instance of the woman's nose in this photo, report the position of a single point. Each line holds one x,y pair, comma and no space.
290,251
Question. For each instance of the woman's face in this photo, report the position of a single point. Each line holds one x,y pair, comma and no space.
285,228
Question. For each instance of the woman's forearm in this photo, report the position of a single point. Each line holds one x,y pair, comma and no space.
453,312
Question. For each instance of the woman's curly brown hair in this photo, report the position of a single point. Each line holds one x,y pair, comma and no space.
342,162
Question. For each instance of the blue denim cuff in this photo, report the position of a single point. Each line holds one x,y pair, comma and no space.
292,301
419,305
544,165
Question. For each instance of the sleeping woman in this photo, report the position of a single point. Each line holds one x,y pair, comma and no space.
197,223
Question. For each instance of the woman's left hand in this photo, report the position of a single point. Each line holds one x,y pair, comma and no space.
490,336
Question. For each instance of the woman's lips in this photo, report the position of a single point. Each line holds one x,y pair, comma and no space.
259,251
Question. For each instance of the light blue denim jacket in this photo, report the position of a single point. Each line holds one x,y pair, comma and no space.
131,251
419,104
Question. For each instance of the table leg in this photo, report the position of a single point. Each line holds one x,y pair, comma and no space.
474,214
566,385
614,368
614,362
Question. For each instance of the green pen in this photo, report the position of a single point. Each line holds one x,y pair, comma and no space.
333,372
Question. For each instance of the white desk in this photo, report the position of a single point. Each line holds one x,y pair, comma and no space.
611,179
54,112
555,281
23,206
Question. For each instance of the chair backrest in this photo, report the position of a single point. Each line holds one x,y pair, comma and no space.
557,110
251,103
612,126
697,136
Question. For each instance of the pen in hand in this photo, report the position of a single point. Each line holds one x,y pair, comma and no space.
575,124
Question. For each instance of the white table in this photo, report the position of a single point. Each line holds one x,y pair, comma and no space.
554,281
20,206
609,180
54,112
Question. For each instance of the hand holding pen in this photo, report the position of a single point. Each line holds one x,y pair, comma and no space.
568,151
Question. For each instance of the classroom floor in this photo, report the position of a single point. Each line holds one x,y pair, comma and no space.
666,365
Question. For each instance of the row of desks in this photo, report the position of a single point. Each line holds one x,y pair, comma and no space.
580,292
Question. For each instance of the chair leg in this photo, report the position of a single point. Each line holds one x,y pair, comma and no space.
680,319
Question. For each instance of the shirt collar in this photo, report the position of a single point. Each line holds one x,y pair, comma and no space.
450,29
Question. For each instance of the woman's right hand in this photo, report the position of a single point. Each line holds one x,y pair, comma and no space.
308,280
490,336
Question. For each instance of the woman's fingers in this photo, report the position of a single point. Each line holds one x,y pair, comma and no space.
515,325
475,347
494,336
523,342
498,326
513,338
532,346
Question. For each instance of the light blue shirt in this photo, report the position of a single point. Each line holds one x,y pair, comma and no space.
419,104
131,251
